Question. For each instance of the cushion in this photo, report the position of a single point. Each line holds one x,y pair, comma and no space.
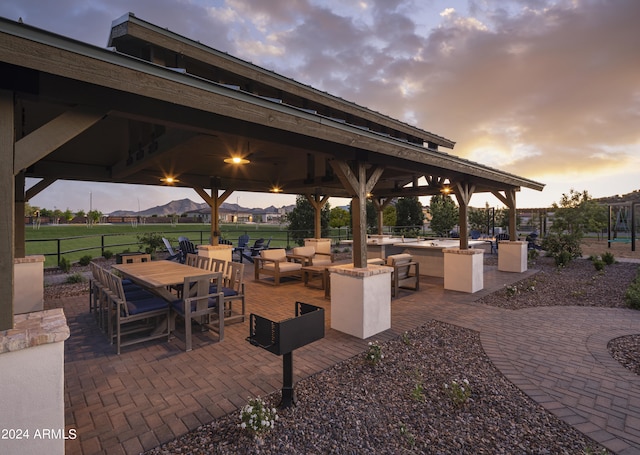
228,292
137,294
146,305
398,259
277,254
178,305
284,266
307,251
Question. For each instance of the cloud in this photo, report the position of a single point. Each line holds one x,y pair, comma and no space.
539,88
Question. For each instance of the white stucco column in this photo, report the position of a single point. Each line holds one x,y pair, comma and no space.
361,299
28,273
463,269
512,256
32,390
216,251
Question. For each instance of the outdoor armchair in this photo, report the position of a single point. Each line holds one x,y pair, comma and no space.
276,264
309,256
172,254
406,272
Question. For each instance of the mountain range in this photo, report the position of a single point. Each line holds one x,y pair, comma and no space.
187,205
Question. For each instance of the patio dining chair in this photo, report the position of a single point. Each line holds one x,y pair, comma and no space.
233,289
135,311
200,306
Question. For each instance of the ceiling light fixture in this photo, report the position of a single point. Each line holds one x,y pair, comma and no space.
169,180
236,160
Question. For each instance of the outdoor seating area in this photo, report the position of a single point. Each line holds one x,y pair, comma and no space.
239,370
140,300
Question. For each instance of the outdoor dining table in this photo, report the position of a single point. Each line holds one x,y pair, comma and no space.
158,276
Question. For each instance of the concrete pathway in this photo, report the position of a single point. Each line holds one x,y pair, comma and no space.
156,391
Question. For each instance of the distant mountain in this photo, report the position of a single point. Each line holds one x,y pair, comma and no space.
187,205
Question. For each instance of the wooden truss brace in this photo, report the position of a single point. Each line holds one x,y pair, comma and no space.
509,199
358,185
214,201
39,143
317,203
380,205
463,193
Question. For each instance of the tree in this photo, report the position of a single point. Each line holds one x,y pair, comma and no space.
389,215
94,216
409,215
302,221
81,213
68,215
444,213
478,219
578,213
339,217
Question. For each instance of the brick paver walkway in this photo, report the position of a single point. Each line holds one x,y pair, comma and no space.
155,391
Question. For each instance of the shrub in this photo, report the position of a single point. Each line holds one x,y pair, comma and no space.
64,264
562,247
532,255
75,278
85,260
632,296
151,241
459,392
107,254
608,258
599,264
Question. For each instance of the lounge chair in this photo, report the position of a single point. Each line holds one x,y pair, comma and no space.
173,255
243,240
311,257
276,264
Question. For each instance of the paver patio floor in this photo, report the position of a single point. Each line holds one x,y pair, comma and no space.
155,391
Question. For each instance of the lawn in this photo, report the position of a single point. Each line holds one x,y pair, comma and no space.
75,241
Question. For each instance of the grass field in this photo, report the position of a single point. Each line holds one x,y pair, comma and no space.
76,241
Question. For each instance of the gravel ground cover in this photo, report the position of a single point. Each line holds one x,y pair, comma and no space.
401,404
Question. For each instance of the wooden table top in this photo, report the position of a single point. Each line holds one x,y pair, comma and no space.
159,274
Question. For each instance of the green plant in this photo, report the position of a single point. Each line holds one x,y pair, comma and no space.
374,353
599,264
418,391
562,247
459,392
75,278
405,338
632,295
404,431
85,260
107,254
257,417
64,264
532,255
151,241
511,290
608,258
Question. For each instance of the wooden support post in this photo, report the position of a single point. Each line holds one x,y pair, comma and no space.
356,182
380,206
509,199
7,205
214,201
463,193
318,204
20,234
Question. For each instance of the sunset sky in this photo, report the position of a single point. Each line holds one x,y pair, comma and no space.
548,90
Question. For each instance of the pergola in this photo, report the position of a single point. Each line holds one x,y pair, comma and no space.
155,106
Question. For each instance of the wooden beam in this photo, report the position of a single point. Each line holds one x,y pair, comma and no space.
38,187
380,206
19,228
53,134
7,201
